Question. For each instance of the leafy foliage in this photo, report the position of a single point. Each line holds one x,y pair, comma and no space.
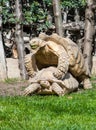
35,12
73,3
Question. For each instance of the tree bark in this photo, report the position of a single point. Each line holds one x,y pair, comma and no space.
65,15
77,17
89,33
19,39
3,68
58,19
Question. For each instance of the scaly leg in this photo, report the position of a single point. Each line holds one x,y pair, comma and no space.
31,89
57,89
87,83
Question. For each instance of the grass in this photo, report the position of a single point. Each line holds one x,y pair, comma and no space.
76,111
13,80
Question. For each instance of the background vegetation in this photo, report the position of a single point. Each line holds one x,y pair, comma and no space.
35,12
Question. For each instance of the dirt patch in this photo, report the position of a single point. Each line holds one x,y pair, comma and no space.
17,88
12,89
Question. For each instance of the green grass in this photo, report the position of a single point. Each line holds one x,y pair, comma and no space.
76,111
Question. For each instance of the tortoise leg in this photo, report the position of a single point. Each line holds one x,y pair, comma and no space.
31,89
63,65
57,89
87,83
30,65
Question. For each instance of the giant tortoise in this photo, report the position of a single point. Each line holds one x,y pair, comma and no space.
60,52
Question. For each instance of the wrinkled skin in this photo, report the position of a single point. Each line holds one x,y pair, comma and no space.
44,82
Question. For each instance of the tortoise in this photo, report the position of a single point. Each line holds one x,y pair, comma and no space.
60,52
44,82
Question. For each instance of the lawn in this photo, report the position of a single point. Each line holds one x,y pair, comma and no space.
76,111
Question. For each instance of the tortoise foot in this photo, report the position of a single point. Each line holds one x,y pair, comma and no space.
87,84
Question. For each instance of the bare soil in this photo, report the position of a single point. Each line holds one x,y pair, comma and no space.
13,89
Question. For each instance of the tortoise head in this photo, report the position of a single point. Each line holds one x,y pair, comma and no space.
37,43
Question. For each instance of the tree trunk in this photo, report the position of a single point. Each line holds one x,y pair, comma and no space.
3,68
77,17
89,33
19,39
58,19
65,15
